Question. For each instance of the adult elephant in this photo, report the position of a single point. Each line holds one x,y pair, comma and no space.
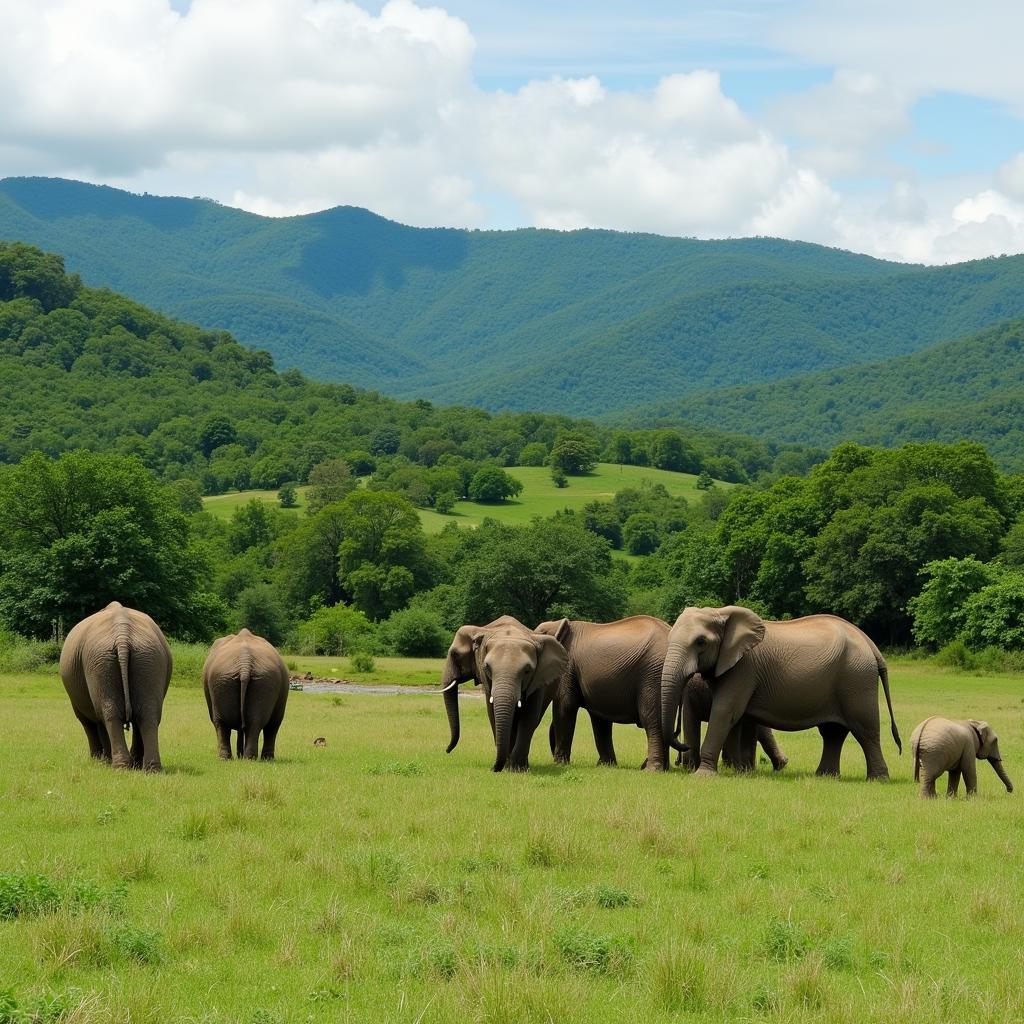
518,670
614,672
246,687
816,671
116,667
740,748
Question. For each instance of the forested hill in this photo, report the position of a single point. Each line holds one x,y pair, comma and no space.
972,388
580,322
87,368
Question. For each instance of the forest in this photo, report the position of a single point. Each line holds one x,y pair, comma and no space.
586,322
118,420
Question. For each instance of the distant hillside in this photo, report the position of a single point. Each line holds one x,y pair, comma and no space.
970,389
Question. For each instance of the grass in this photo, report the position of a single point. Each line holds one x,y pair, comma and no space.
540,497
378,879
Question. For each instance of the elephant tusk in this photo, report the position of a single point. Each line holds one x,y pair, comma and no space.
519,703
445,689
492,700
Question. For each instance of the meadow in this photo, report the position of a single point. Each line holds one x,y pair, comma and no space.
378,878
539,497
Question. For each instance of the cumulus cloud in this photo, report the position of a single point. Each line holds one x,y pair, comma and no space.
288,106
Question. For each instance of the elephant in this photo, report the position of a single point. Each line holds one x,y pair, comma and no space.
519,671
614,672
740,748
116,667
246,687
953,745
815,671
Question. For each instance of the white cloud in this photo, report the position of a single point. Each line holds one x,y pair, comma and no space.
287,106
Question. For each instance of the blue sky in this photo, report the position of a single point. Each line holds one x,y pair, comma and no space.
890,128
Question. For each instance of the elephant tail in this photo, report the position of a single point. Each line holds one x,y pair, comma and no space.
244,678
915,750
123,649
883,674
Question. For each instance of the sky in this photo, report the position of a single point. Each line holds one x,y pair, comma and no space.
890,127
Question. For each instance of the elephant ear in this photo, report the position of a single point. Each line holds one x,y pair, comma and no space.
461,665
986,737
551,661
742,632
559,629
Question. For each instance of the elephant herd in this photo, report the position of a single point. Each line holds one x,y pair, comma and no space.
116,667
728,667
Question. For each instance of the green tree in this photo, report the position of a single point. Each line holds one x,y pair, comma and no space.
260,609
336,629
670,451
558,477
640,533
533,454
217,430
938,611
382,558
416,633
288,496
493,484
994,616
329,483
704,481
574,453
86,529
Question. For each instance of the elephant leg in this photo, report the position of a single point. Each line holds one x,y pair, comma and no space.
833,736
138,748
563,728
92,735
969,769
149,753
119,755
869,743
602,728
954,781
250,748
730,703
527,720
223,741
770,745
239,742
657,752
928,783
691,737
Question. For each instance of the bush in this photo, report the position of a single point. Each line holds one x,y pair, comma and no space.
18,654
416,633
361,662
445,502
558,477
336,629
288,496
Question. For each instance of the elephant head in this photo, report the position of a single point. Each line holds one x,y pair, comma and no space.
511,662
988,750
709,641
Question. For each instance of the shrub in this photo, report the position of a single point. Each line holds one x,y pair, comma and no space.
595,954
445,502
558,477
416,633
288,496
18,654
361,662
336,629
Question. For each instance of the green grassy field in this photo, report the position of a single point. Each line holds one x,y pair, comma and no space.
378,879
540,497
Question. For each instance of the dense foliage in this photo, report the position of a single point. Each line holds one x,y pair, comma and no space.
85,368
971,388
584,322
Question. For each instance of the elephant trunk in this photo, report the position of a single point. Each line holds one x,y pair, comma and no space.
450,684
997,764
504,698
675,673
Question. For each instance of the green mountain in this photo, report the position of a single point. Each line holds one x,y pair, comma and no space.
972,388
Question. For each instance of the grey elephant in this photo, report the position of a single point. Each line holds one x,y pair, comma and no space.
740,748
954,745
116,667
819,671
614,672
518,670
246,687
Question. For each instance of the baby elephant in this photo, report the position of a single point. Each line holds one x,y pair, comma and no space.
947,745
246,687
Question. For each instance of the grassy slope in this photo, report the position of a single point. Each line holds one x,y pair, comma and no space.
379,879
540,497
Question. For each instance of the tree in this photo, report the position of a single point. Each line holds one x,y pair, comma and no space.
382,558
533,454
994,616
551,568
704,481
217,430
329,483
187,495
670,451
336,629
288,496
558,477
261,611
86,529
574,453
938,611
416,633
492,484
445,502
640,534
